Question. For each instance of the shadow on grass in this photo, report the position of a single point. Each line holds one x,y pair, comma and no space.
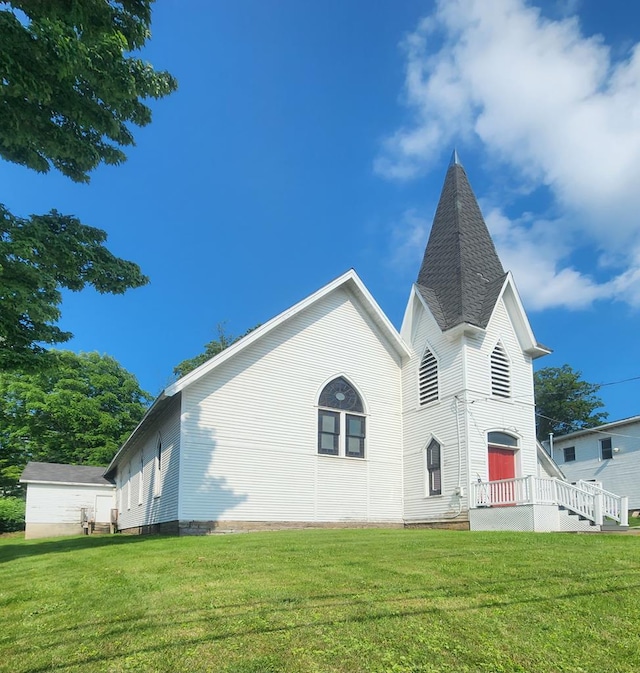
24,549
118,628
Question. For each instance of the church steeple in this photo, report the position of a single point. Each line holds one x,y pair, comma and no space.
461,275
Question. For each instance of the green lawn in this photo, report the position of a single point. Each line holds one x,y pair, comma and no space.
322,600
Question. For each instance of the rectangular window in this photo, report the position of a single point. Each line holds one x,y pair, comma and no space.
569,454
328,432
157,486
355,437
433,468
141,480
606,449
129,487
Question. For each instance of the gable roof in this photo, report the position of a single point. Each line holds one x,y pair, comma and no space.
349,281
598,429
461,276
57,473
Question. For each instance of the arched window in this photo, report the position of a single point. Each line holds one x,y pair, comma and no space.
428,378
502,439
434,468
500,379
341,423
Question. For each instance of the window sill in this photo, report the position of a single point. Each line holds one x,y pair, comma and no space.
326,455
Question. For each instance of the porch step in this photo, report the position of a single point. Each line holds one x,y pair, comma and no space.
570,512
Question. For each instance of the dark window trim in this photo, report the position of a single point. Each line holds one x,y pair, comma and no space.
347,452
336,435
569,453
434,467
340,400
606,449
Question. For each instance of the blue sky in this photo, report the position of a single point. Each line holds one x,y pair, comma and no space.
307,138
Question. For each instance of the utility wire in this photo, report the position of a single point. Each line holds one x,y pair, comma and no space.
613,383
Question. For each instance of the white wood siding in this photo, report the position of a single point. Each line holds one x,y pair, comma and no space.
485,412
434,420
465,373
620,474
249,427
62,503
151,509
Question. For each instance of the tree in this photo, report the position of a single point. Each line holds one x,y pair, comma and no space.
38,257
68,93
564,402
211,349
78,409
67,88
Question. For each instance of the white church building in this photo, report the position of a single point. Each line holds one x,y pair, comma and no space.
328,416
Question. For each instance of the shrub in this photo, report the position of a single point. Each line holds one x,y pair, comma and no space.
11,514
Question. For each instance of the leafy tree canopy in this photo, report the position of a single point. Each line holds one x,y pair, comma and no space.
564,402
38,257
78,409
211,349
67,88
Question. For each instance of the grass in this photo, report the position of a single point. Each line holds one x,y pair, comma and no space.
387,601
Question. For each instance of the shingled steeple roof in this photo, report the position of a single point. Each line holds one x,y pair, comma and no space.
461,275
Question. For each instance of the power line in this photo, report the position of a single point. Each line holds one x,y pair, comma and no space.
613,383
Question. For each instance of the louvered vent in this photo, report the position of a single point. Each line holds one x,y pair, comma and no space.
500,384
428,378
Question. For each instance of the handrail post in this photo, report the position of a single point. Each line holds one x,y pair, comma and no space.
597,509
624,510
532,489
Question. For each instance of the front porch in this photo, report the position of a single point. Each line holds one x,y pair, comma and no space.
543,504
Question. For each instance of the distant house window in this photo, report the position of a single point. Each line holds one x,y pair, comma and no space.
569,454
157,487
434,470
500,379
606,449
428,378
341,424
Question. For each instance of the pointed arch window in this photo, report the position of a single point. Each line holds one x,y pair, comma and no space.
341,420
434,468
500,375
428,378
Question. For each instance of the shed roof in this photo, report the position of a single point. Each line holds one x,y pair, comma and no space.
64,474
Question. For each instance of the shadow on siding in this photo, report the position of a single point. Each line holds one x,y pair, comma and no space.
206,490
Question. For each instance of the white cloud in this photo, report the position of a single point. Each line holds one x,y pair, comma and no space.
409,237
552,106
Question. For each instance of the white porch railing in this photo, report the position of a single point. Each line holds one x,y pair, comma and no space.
613,506
584,499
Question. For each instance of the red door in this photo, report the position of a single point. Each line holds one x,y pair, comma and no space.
502,465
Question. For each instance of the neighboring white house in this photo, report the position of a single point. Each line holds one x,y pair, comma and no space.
609,454
327,415
66,499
